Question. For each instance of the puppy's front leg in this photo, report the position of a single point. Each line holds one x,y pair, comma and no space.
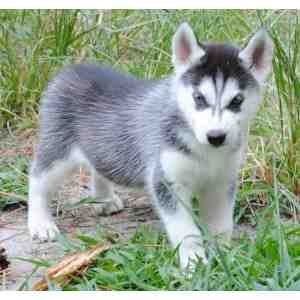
173,208
216,209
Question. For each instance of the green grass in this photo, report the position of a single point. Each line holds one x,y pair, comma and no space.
270,261
34,45
287,78
13,183
146,262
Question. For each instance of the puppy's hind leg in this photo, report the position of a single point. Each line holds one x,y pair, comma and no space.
107,201
43,182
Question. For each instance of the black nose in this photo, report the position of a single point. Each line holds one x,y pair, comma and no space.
216,137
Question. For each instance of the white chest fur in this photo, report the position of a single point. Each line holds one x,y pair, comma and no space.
199,172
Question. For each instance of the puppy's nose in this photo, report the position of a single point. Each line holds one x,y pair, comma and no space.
216,137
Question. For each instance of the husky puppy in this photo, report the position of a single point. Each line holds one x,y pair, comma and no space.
177,137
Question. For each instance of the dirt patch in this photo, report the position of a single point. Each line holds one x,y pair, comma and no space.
20,142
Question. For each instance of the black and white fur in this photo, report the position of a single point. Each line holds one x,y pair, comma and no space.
176,137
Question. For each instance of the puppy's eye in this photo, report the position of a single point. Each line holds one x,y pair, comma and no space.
200,100
236,102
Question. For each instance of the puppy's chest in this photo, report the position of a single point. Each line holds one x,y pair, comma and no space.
196,173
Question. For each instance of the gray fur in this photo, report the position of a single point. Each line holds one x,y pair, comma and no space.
220,58
163,189
118,122
232,190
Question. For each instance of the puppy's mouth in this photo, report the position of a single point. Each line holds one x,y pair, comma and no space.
219,147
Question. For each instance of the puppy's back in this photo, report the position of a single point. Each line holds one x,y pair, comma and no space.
95,109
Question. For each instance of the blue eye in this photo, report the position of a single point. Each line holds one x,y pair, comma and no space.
236,102
200,100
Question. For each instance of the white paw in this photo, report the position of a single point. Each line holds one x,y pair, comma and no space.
43,229
109,206
190,252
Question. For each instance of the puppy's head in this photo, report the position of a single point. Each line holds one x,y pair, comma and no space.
218,86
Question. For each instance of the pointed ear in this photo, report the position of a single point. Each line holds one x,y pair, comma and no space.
258,54
185,48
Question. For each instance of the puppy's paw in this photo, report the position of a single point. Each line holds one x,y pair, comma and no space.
190,252
109,206
42,229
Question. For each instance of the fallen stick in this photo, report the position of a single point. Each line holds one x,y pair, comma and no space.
71,265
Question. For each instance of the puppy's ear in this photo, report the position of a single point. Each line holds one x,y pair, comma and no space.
257,55
185,48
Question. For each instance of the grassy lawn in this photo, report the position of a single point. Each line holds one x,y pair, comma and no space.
34,45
